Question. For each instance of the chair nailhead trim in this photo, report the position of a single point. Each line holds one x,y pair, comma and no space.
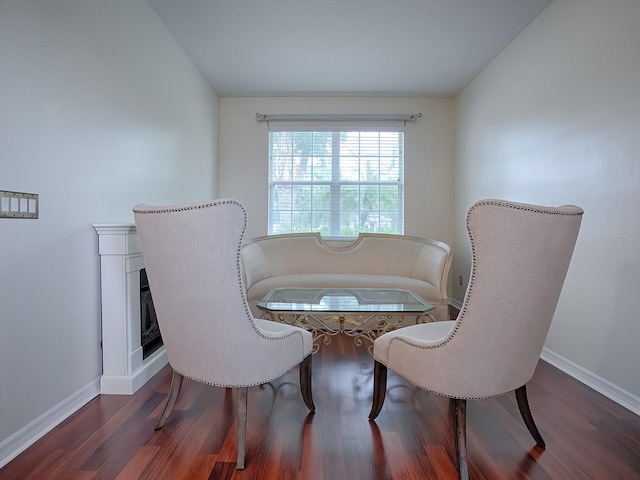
213,203
463,310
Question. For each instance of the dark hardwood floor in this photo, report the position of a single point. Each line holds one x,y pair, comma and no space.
587,435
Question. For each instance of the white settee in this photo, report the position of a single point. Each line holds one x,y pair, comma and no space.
371,261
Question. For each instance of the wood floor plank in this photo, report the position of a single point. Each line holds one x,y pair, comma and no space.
143,456
587,435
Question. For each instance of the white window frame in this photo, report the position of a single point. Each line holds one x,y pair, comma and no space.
336,230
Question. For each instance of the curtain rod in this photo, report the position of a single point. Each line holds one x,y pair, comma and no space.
264,117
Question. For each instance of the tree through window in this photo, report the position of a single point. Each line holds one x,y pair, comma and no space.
338,183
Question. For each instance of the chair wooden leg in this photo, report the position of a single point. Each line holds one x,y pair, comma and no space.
305,383
525,411
174,391
242,425
460,434
379,388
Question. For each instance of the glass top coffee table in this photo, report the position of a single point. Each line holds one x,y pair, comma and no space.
363,313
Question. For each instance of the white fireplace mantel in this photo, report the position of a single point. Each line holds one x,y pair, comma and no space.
123,369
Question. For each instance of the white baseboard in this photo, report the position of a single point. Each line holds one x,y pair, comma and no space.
455,303
28,435
590,379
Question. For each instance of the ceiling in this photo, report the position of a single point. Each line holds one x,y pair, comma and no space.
344,47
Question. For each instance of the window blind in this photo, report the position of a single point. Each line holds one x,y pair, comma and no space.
339,179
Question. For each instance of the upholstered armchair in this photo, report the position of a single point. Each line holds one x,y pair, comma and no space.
192,258
521,254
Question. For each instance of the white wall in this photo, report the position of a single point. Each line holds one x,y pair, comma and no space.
555,119
100,109
244,155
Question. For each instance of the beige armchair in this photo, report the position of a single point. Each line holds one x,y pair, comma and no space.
521,254
192,257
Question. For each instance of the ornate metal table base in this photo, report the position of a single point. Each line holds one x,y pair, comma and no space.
361,327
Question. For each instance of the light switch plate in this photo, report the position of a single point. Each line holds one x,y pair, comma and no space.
18,204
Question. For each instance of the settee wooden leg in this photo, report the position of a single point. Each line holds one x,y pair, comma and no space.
174,391
379,388
242,425
305,383
525,411
460,435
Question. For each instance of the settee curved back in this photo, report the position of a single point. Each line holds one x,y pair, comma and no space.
370,254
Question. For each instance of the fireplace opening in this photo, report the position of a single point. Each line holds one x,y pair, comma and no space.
149,329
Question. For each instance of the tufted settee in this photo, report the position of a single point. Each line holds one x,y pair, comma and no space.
371,261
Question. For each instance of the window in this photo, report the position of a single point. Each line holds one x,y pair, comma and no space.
338,183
